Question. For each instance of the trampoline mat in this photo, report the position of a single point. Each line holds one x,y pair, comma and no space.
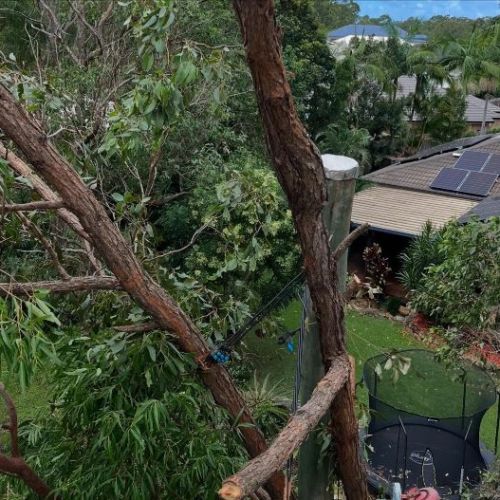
441,466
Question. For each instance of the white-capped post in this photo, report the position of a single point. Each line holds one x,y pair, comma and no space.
341,173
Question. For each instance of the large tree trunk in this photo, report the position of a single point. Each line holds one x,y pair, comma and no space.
27,134
300,171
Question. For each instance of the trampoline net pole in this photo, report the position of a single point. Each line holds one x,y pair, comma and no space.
406,452
464,396
463,458
498,423
396,467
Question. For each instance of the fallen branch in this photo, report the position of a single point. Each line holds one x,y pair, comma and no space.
138,327
261,468
79,284
349,240
34,205
119,256
15,464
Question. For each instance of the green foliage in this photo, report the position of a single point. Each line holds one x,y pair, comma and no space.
422,252
267,403
333,14
129,420
463,287
443,116
489,486
26,328
439,28
310,64
341,140
245,247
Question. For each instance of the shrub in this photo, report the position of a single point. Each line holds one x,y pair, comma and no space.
377,267
421,253
462,288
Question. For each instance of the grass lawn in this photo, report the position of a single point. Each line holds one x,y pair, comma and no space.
27,402
367,337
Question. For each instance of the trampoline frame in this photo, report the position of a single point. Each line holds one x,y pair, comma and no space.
402,426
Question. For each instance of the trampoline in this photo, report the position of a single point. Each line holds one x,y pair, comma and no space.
424,428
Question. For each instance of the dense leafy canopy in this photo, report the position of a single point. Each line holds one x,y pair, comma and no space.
152,104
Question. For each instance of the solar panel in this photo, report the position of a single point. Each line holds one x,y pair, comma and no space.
492,166
478,183
449,179
472,160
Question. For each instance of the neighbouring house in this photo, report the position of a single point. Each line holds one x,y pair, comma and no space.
341,37
475,107
452,181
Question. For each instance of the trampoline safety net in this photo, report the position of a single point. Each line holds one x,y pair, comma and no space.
424,428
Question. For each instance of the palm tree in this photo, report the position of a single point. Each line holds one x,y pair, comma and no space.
342,140
427,67
476,61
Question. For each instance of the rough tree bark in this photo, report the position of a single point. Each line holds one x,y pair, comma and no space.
47,194
301,424
300,172
112,247
78,284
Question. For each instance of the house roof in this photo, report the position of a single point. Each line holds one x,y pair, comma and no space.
401,200
473,111
418,174
365,30
405,212
489,207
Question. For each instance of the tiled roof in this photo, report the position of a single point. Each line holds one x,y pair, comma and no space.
407,85
475,110
475,106
418,174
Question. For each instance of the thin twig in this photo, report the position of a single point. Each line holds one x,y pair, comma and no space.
31,226
185,247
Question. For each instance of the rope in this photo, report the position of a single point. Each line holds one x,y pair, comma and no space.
221,354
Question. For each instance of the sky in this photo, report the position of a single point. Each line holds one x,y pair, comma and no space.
402,9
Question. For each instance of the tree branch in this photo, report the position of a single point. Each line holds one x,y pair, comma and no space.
298,166
191,242
15,464
148,326
257,471
34,205
349,240
21,168
118,254
80,284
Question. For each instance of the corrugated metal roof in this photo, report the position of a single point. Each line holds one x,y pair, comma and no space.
405,212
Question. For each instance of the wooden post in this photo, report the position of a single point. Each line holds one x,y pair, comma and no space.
341,173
